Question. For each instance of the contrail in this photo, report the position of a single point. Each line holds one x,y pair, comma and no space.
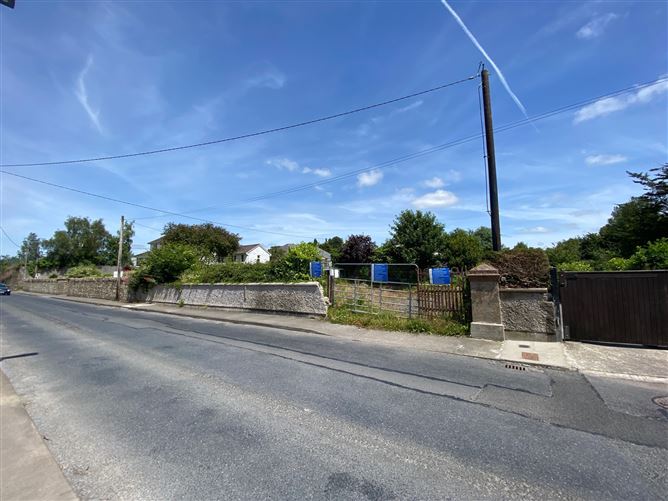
477,44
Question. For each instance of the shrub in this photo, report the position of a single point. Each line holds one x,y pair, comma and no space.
53,275
83,271
576,266
617,264
654,256
164,265
522,268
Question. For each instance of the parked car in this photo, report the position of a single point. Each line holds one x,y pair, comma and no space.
4,290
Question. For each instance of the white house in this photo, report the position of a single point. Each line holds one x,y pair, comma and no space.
253,253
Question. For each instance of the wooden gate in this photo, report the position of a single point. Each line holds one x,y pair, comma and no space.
441,301
628,307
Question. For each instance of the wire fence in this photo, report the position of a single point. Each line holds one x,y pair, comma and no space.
403,292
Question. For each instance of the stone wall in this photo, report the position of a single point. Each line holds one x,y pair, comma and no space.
98,288
527,313
305,298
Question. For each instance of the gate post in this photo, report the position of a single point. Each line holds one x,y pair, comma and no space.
485,303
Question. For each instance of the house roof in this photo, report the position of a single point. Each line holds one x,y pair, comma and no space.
156,240
245,249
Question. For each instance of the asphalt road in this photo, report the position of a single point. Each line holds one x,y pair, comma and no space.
140,405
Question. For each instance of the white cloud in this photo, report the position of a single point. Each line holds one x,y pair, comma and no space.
534,229
292,166
369,178
596,26
438,198
434,182
605,159
608,105
82,95
412,106
317,172
271,78
284,163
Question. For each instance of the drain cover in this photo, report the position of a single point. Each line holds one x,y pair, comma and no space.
529,356
661,401
516,367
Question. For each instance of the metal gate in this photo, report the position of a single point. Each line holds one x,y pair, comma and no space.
628,307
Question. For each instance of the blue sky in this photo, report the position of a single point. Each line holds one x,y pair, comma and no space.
83,79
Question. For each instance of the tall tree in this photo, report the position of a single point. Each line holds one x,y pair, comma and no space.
656,187
358,249
81,242
463,250
211,240
31,248
416,237
111,250
633,224
334,246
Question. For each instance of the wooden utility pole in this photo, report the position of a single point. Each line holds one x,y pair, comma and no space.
118,261
491,162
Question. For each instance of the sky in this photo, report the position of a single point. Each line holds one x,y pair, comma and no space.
90,79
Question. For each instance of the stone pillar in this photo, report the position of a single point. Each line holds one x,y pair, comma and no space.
485,303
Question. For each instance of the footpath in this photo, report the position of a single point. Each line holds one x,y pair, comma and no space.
638,364
27,469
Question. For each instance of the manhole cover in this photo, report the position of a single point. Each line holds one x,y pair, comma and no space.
661,401
529,356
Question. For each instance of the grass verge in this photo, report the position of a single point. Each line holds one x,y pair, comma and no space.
389,322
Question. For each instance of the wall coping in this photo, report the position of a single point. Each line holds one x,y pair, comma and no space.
282,284
536,289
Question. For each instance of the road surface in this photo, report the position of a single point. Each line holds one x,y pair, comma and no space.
138,405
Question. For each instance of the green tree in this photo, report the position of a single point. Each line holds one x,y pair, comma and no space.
111,250
165,264
31,247
211,240
358,249
656,186
484,235
565,251
416,237
334,246
295,264
654,256
277,252
463,250
81,242
633,224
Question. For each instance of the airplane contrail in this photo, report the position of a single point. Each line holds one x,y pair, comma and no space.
484,53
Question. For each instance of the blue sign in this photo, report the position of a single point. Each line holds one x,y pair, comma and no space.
379,273
315,269
439,276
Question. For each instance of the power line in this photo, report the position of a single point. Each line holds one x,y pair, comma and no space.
246,136
428,151
125,202
9,238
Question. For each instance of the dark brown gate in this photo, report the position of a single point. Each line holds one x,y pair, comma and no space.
629,307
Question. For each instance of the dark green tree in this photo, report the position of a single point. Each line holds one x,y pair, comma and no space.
81,242
484,235
31,247
111,250
633,224
334,246
416,237
211,240
656,187
566,251
463,250
358,249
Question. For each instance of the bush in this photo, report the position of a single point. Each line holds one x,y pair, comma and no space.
522,268
654,256
575,266
228,273
83,271
617,264
164,265
53,275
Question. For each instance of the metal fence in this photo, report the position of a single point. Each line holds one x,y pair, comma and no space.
403,294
